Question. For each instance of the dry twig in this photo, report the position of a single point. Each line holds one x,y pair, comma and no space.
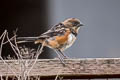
1,46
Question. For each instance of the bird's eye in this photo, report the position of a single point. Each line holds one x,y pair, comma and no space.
75,23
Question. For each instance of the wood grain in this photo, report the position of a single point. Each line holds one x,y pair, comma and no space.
75,68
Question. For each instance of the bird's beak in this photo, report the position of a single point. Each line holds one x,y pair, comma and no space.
81,24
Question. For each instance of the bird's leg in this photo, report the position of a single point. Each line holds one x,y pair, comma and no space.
61,59
65,57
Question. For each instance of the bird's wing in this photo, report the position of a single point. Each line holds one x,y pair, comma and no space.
58,26
50,33
54,31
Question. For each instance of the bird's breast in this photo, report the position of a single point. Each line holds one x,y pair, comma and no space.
62,42
70,41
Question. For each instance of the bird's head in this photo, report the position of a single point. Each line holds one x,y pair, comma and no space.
73,23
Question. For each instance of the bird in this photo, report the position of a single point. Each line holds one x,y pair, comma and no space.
59,37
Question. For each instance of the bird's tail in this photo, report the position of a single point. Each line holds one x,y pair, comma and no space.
26,39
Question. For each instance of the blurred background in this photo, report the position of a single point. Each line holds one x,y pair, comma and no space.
99,38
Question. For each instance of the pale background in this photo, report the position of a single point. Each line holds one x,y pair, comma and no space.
100,37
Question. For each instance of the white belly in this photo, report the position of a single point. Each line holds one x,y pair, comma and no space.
71,40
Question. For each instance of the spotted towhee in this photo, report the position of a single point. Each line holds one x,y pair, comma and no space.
59,37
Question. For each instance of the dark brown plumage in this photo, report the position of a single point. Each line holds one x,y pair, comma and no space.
59,37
